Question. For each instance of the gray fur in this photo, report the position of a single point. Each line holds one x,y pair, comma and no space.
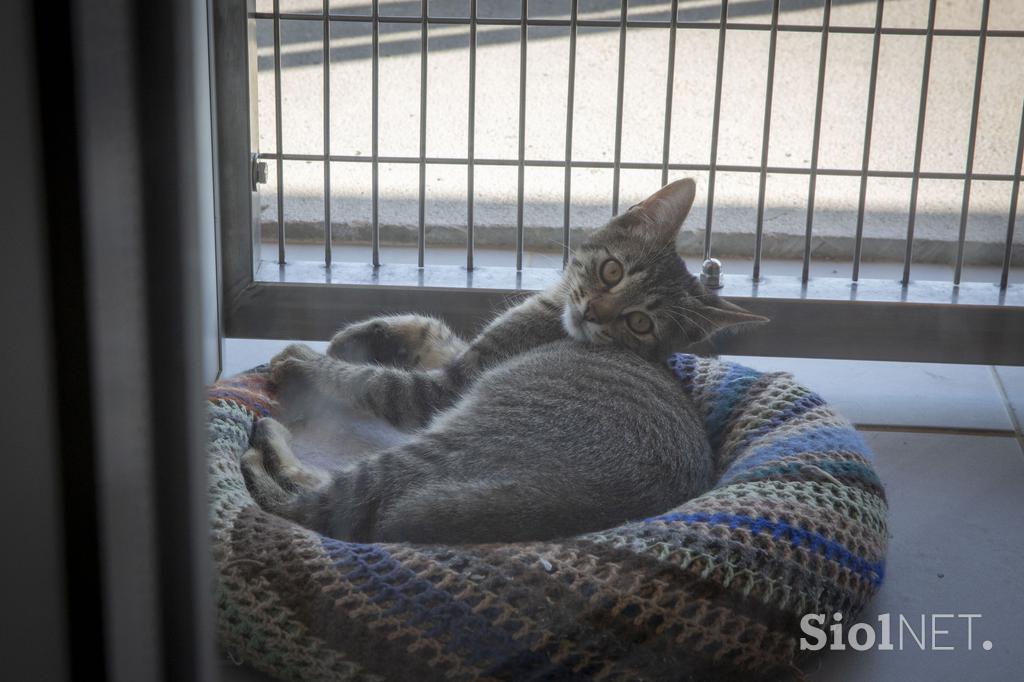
560,417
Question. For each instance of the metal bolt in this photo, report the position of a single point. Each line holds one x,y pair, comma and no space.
259,172
711,273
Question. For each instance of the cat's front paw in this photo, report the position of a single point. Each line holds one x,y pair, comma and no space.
407,341
296,363
374,341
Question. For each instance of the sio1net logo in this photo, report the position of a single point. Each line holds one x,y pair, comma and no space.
937,632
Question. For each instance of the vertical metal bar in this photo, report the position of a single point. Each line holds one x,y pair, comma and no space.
237,129
471,135
975,104
769,93
669,85
277,132
620,92
522,133
375,132
327,133
714,128
812,186
919,144
421,241
569,102
868,124
1004,277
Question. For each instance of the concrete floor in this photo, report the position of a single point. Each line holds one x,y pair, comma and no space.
950,449
742,110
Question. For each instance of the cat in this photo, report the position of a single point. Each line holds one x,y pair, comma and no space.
559,418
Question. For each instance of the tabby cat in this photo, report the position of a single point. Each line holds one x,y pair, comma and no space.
560,417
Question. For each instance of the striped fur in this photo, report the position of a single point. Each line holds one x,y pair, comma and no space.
559,418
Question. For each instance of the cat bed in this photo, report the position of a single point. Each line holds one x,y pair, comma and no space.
795,524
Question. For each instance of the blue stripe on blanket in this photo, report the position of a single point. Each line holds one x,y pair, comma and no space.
471,637
873,571
819,440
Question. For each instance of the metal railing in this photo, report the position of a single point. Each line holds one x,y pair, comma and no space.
1001,301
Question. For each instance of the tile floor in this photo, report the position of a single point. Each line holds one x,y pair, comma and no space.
949,447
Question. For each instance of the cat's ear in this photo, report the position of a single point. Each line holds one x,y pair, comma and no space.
717,314
663,213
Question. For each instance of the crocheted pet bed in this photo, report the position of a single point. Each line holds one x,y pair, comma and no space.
716,588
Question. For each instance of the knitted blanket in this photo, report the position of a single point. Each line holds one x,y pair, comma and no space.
713,589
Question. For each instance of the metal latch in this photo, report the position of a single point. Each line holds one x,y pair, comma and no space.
258,172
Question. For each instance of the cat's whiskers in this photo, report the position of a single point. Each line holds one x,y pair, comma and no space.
560,243
674,317
711,324
648,253
679,312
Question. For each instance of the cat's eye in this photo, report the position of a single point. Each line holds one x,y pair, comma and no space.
611,272
639,322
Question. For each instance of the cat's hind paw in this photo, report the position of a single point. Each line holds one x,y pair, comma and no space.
274,475
297,362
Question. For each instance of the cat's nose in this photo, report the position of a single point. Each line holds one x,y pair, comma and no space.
599,310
